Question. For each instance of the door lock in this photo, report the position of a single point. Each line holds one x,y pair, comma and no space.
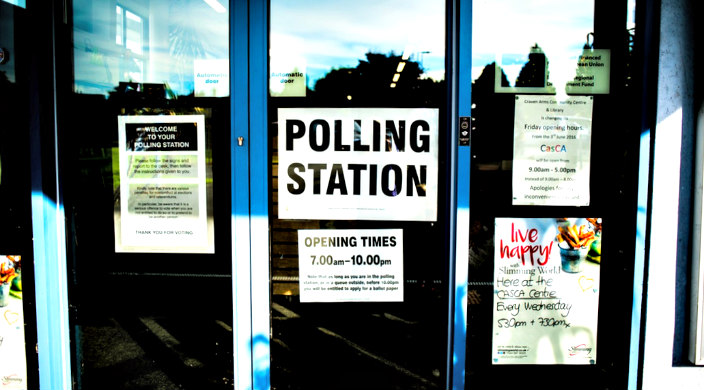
465,129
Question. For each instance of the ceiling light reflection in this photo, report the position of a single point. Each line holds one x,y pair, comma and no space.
214,4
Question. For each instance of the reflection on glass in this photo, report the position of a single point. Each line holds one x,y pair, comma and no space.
511,33
149,320
120,21
320,36
19,3
134,32
532,49
148,42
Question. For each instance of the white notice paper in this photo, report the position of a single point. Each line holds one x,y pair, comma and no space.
211,78
163,199
351,265
593,73
551,150
358,163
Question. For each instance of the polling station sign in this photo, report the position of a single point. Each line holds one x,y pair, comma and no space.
358,163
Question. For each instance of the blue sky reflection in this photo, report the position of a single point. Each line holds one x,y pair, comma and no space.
505,30
326,35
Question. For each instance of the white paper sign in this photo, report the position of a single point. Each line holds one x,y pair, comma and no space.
358,163
350,265
163,202
551,150
287,81
211,78
546,291
287,69
593,73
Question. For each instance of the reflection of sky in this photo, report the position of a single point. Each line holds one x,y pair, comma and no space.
100,64
325,35
507,29
19,3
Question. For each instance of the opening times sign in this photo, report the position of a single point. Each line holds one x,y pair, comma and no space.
358,163
546,290
551,150
163,202
351,265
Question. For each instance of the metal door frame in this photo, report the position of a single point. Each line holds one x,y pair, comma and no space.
249,216
249,83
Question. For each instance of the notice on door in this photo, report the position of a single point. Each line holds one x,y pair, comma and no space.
546,290
163,200
593,73
211,78
350,265
551,150
358,163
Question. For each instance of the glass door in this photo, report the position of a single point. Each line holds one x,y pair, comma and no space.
359,210
145,133
555,132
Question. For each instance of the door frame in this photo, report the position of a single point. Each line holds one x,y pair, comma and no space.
249,196
249,216
47,200
251,277
250,192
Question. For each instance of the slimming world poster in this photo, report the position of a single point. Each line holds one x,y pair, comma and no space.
546,290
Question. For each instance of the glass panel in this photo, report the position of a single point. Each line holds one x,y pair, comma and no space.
549,92
146,147
168,39
134,33
523,43
358,242
119,25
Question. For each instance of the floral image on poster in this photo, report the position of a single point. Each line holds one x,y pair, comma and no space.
13,361
546,290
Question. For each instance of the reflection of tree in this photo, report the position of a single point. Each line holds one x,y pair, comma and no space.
185,44
371,83
493,128
13,159
534,72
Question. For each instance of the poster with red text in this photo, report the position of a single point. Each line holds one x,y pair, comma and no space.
546,290
13,358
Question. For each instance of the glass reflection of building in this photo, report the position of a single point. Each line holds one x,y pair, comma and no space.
145,42
534,72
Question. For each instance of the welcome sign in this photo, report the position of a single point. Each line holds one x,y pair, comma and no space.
358,163
163,204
